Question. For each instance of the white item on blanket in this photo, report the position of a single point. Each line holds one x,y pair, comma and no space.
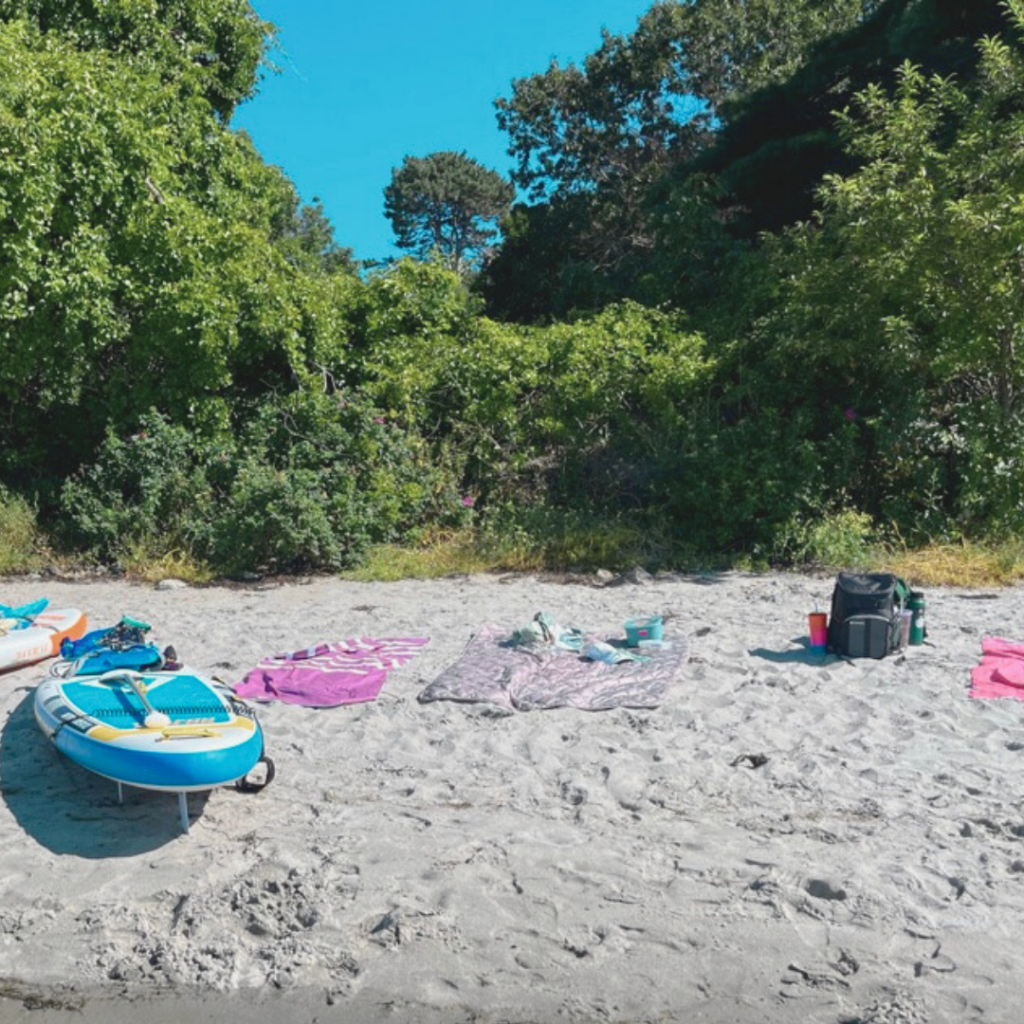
598,650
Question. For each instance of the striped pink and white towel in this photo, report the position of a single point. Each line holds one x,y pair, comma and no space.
345,672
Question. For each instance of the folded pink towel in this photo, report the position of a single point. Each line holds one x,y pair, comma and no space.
1001,670
347,672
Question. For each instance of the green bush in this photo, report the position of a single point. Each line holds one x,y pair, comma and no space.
838,539
305,481
991,493
581,412
373,478
147,488
273,518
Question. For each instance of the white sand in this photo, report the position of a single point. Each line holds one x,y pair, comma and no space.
447,862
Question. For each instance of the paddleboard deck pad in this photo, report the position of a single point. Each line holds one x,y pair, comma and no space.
171,731
42,639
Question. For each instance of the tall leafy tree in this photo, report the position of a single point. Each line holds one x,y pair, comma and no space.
730,48
306,237
211,47
777,141
606,122
542,269
446,202
138,264
634,106
904,294
600,139
588,142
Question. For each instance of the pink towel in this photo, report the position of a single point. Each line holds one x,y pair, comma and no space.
1001,671
348,672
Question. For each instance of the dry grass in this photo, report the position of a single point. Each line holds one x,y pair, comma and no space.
442,554
969,564
556,545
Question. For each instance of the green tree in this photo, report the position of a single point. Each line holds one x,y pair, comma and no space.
211,47
731,99
778,139
137,261
306,237
904,294
730,48
446,202
543,268
607,121
597,135
634,106
606,147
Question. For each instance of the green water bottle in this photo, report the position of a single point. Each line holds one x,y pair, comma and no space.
916,607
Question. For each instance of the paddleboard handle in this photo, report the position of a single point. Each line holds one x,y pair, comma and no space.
154,719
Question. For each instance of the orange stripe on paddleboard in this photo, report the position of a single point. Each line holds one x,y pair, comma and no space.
72,632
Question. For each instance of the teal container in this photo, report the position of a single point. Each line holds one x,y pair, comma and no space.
918,626
651,628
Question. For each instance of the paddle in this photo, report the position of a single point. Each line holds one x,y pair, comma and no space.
154,719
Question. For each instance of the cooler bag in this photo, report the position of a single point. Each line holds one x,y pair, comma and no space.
865,619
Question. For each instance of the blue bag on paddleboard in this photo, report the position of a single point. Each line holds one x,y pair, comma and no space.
120,646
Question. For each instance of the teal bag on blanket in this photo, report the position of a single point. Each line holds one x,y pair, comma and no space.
544,632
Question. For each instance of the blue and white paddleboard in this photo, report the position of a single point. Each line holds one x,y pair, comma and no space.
170,731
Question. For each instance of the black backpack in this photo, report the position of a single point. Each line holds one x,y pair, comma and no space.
865,620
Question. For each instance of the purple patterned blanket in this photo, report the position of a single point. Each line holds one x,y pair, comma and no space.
529,680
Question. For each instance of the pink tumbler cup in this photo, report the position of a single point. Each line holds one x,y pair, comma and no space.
817,624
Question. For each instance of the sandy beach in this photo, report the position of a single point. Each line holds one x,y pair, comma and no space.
450,862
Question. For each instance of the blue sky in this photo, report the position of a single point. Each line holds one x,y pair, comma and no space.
362,85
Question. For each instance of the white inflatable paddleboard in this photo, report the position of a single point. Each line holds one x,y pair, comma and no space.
42,639
171,731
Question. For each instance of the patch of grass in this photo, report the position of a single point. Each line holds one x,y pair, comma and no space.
437,555
141,561
564,541
591,546
847,539
20,541
968,564
537,542
551,543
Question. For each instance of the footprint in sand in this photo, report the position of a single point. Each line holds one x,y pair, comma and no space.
892,1008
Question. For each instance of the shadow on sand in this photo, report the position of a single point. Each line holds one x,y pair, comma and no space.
802,655
71,811
702,579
